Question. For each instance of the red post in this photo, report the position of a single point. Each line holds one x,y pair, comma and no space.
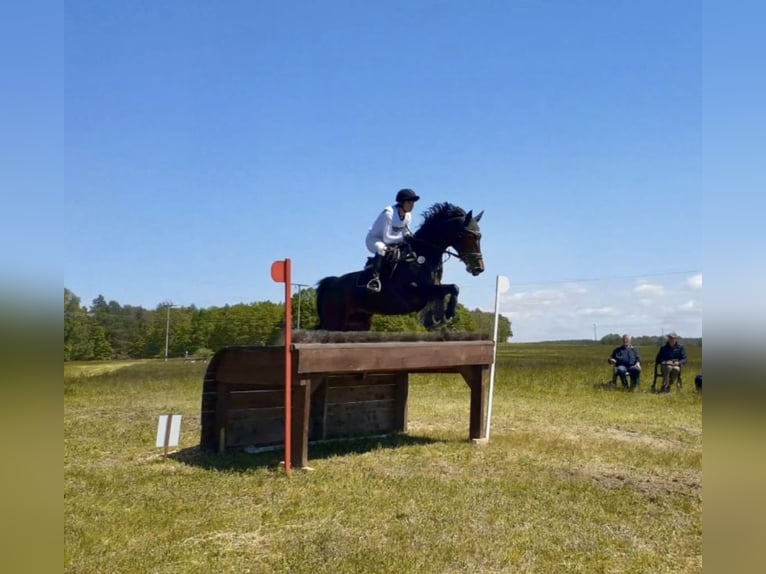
281,273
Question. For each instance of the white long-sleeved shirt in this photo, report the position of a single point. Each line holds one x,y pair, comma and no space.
388,229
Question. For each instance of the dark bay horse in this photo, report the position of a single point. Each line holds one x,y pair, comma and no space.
345,304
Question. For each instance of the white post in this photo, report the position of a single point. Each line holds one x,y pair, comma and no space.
167,333
501,286
168,305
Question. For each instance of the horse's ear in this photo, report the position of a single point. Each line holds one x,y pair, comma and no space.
478,217
468,217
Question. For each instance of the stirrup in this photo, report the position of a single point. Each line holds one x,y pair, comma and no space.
374,284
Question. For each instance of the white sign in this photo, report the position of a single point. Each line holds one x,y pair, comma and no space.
168,430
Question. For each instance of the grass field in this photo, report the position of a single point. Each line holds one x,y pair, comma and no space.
576,478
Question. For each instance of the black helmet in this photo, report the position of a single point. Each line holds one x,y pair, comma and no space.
406,195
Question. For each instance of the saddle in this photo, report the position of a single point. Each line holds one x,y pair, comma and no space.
394,256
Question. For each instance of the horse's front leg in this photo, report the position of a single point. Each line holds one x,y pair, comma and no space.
452,291
437,311
434,314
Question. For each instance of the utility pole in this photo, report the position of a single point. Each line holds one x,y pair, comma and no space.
300,287
595,335
168,305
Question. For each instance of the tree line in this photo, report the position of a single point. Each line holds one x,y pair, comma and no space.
615,339
108,330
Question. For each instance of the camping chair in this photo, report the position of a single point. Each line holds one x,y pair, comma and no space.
658,377
615,378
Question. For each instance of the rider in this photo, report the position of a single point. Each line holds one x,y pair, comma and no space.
389,230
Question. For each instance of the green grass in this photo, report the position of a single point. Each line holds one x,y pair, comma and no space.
575,478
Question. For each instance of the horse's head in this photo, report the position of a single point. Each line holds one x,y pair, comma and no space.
446,225
467,243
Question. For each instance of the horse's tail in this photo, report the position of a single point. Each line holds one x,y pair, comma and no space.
322,287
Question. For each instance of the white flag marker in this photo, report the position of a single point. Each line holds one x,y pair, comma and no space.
501,287
168,431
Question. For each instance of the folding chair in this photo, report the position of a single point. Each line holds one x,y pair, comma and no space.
658,377
615,378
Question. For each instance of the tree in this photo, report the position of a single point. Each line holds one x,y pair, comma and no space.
76,329
110,330
83,339
304,304
397,323
611,339
485,323
463,320
252,324
124,326
101,349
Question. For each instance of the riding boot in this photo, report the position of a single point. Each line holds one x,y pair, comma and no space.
374,283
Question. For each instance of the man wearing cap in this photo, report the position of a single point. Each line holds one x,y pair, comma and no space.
671,357
389,230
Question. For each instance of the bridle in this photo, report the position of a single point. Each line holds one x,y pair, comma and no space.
471,258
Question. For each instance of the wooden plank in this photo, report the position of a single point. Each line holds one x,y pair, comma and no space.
477,377
300,423
256,427
360,393
401,405
208,400
358,378
207,431
361,418
222,414
318,409
390,357
257,398
258,366
208,440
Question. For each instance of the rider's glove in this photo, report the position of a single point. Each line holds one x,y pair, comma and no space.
392,254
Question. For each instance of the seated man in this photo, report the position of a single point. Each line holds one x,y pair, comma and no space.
671,357
627,361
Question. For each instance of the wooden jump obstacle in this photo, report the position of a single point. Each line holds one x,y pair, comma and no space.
339,390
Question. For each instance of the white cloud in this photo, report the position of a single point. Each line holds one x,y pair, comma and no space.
576,288
547,297
576,311
597,312
649,288
691,308
694,283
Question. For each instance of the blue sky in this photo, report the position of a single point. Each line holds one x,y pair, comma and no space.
204,140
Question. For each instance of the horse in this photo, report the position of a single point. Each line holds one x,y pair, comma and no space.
413,282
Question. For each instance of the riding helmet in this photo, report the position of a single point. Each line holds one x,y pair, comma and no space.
406,195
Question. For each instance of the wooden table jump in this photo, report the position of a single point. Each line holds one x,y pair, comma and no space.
339,389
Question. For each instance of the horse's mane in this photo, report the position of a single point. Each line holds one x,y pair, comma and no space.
437,215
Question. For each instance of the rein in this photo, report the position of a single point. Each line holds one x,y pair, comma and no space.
468,258
449,252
